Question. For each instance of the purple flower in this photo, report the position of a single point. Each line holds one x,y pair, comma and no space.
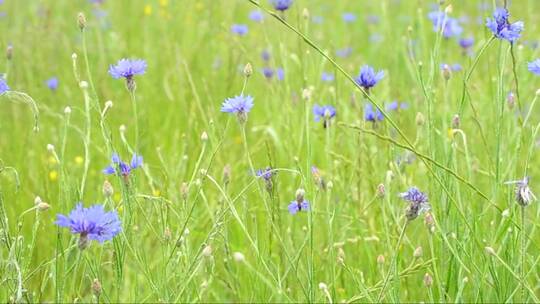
127,68
325,113
524,195
3,86
534,66
267,72
92,223
344,52
265,55
450,27
466,43
239,105
327,77
349,17
280,73
266,174
52,83
456,67
418,202
281,5
502,28
395,105
371,115
239,29
121,168
256,15
368,78
300,204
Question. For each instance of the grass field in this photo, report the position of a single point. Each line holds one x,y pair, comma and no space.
339,184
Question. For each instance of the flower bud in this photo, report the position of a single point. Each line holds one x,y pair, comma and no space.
81,21
446,71
107,189
456,121
67,110
380,259
305,13
418,252
381,190
50,148
238,257
300,195
490,251
83,85
420,120
226,174
9,52
428,280
207,251
43,206
248,70
511,100
184,189
96,287
204,136
323,286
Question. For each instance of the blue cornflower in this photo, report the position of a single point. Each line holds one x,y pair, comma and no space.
344,52
281,5
267,72
239,29
300,204
127,68
266,174
92,223
524,195
52,83
456,67
450,27
326,113
239,105
418,202
349,17
466,43
396,105
3,86
534,66
256,15
265,55
502,28
280,73
121,168
327,77
368,78
371,115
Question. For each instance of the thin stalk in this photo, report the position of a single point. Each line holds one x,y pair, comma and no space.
393,264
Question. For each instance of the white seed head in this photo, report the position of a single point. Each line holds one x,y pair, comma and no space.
323,286
418,252
122,128
50,148
506,213
108,104
238,257
67,110
83,84
204,136
490,251
207,251
37,200
43,206
74,56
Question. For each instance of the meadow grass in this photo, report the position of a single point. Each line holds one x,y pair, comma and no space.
198,223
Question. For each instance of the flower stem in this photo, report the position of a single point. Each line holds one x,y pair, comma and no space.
393,265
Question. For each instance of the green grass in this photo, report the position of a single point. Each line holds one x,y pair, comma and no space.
197,225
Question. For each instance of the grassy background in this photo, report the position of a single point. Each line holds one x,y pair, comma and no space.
194,63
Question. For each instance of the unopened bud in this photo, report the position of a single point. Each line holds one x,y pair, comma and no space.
305,13
83,85
74,56
43,206
323,286
207,251
238,257
418,252
300,195
184,190
108,189
428,280
226,174
511,99
420,120
446,71
490,251
380,259
248,70
81,21
167,234
9,52
381,190
204,136
430,222
67,110
50,148
96,287
456,121
122,128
